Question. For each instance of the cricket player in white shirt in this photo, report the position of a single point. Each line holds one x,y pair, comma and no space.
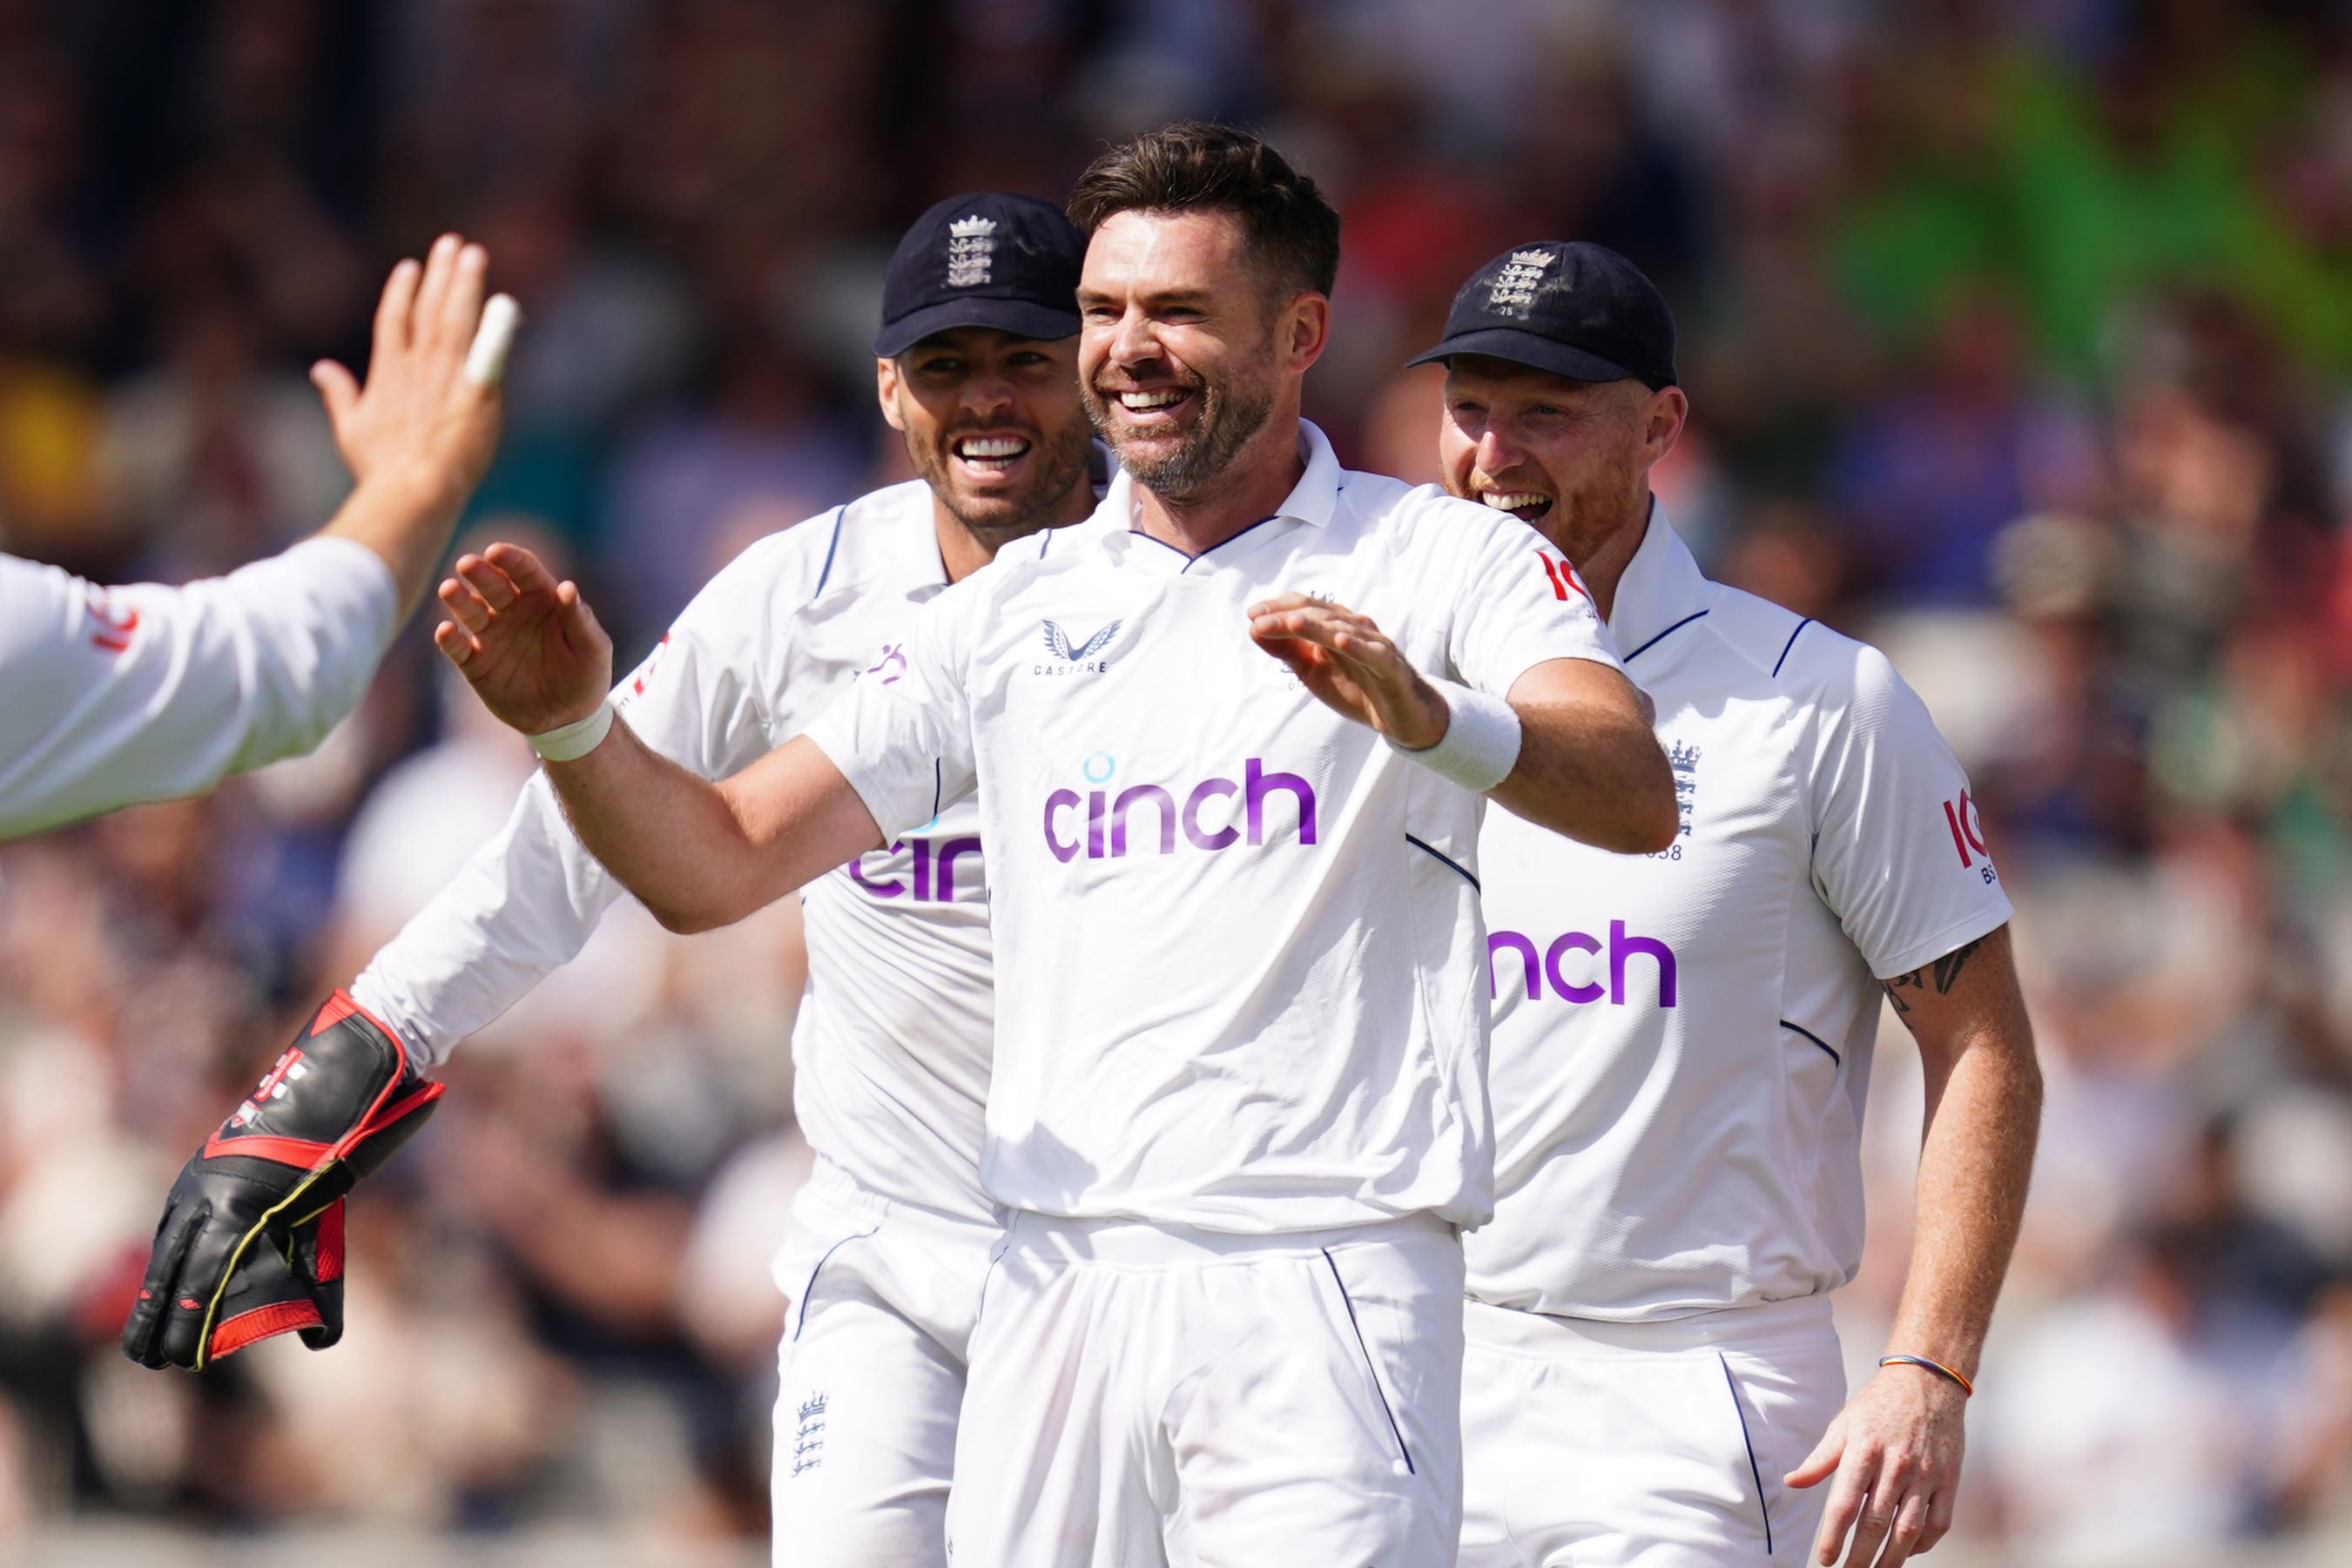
1227,740
122,694
976,366
1683,1040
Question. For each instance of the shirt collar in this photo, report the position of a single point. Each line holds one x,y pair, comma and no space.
1314,499
1317,495
1663,586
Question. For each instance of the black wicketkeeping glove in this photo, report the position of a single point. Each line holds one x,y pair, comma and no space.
251,1242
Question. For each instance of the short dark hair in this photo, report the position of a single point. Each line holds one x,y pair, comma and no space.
1194,166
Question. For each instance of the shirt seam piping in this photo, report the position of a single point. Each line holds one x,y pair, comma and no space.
1695,615
824,573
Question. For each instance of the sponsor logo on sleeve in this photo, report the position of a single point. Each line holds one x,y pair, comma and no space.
116,622
646,670
1563,577
1967,836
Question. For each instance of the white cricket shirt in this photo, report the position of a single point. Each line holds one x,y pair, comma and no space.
120,694
1682,1041
1238,978
890,1050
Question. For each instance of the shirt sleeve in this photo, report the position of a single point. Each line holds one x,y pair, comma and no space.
527,901
1517,603
1898,852
902,733
122,694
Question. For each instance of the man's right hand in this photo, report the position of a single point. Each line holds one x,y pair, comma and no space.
419,434
527,644
420,418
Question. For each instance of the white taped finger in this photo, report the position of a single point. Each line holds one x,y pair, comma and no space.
485,361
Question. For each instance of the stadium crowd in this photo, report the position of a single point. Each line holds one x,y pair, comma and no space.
2019,338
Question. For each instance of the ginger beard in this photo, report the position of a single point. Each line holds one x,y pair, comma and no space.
1212,420
1572,464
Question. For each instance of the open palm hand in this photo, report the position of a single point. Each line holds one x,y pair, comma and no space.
529,645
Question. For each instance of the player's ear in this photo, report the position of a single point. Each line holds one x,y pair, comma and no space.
885,391
1305,329
1669,411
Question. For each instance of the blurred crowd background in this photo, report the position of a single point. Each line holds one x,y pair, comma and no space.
2019,338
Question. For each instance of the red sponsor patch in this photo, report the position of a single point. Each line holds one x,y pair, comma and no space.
1968,829
116,622
645,671
1561,576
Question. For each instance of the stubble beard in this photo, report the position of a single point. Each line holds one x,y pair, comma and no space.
1061,460
1230,415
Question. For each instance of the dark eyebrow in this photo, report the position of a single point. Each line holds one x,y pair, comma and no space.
1150,301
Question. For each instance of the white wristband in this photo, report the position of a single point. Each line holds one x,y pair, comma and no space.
1481,744
569,742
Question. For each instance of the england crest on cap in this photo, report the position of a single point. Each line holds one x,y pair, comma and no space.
971,246
986,258
1514,289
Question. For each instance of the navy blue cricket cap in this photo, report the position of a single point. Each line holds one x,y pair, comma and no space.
1570,307
982,259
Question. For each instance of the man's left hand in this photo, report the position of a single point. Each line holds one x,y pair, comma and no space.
1896,1451
1348,662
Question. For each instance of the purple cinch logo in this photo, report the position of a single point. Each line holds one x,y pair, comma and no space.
931,878
1114,823
1622,949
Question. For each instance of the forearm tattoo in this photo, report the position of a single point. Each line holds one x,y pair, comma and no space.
1943,974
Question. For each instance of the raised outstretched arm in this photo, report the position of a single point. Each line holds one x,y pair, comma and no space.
1588,764
699,854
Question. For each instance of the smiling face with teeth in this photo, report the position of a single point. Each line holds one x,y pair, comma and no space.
993,425
1187,348
1571,457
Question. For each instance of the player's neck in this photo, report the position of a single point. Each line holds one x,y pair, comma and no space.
1602,551
1252,488
964,549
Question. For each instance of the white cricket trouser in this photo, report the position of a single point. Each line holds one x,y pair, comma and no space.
1596,1445
1145,1397
872,1364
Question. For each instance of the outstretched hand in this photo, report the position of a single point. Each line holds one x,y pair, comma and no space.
1348,662
421,414
529,645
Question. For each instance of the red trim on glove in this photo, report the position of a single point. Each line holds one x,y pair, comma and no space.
304,1155
327,1267
300,1153
398,1111
278,1317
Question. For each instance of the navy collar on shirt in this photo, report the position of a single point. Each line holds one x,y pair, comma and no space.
1663,590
